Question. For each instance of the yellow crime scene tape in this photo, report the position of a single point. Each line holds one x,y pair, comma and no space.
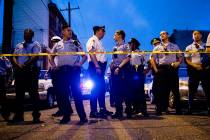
115,52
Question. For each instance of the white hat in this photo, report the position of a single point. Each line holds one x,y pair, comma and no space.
55,38
208,41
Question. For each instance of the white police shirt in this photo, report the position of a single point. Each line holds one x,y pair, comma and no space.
195,56
137,59
66,46
163,58
33,48
96,45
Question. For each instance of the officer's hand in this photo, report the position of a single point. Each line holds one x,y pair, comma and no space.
155,70
117,70
98,71
175,64
198,67
19,66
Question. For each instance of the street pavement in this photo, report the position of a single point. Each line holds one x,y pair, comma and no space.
166,127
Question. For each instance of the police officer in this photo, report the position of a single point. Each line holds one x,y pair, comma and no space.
198,69
119,72
166,69
51,72
27,75
96,69
154,42
137,75
5,68
68,69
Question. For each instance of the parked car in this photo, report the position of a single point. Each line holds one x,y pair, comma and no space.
183,90
44,85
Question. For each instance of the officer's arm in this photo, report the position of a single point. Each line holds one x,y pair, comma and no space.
84,58
124,62
31,60
14,60
180,57
52,62
94,59
36,50
153,64
189,62
52,57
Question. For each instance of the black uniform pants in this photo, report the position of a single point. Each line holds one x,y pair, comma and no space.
67,78
168,81
154,87
55,93
137,88
120,86
98,91
26,80
195,77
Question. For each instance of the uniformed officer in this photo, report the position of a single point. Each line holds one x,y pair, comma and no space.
166,69
54,41
198,69
5,68
68,69
137,75
154,42
119,72
27,75
96,69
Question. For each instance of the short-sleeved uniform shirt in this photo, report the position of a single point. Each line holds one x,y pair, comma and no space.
96,45
66,46
27,48
163,58
195,56
137,59
118,58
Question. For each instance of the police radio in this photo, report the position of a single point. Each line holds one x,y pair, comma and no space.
115,55
76,42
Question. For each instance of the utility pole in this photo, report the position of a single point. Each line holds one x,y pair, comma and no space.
69,9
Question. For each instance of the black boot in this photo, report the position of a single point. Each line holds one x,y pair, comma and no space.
117,116
36,117
5,116
93,115
17,119
57,114
65,120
